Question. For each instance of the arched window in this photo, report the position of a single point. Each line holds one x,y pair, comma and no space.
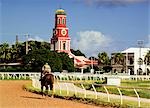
58,21
64,46
63,21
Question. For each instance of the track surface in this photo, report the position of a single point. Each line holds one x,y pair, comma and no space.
13,96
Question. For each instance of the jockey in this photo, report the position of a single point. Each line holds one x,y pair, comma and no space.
46,69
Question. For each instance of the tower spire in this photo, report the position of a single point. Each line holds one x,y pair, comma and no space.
60,40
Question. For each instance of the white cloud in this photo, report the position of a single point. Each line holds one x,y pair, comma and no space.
36,38
113,2
91,42
148,44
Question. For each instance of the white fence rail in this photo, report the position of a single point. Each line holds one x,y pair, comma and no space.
71,76
69,87
18,75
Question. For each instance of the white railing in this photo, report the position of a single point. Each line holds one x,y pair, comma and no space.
71,76
63,83
74,76
18,75
69,87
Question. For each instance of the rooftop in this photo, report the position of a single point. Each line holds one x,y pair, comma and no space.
60,12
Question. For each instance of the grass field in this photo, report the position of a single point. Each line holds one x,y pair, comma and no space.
90,99
127,88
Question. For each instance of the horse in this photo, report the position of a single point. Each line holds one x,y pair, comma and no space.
47,80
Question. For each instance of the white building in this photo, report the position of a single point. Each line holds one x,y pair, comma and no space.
137,53
131,63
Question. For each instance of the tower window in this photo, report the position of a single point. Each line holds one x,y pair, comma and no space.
58,21
64,46
63,21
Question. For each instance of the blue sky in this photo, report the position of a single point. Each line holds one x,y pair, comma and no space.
94,25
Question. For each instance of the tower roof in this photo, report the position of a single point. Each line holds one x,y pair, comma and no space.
60,12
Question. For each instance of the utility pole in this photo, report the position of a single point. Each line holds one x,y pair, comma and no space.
27,43
140,45
16,39
92,63
146,65
127,63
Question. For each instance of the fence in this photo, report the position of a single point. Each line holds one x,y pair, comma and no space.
18,75
64,79
78,76
70,76
69,87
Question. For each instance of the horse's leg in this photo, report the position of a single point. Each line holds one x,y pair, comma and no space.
52,88
42,90
46,90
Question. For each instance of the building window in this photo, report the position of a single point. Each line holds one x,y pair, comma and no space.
64,46
58,21
131,61
63,21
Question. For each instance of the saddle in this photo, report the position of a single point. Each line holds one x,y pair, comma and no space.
43,75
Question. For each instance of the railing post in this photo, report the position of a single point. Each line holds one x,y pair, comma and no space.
120,96
67,89
54,85
84,90
107,94
95,91
7,76
59,87
137,97
75,90
3,76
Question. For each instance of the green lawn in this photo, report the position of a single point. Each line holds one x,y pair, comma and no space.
127,88
90,99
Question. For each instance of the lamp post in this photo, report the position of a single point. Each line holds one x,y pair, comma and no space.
140,44
27,43
146,66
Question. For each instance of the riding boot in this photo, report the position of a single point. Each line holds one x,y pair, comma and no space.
40,79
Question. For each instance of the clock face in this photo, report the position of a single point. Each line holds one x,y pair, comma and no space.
63,32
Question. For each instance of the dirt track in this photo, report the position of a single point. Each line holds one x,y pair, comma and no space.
13,96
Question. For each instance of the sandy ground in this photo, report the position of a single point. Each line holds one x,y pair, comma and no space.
13,96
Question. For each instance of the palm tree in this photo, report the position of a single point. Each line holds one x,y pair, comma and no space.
103,59
4,52
119,59
147,58
14,54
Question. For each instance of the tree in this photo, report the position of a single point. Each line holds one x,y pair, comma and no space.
67,63
4,52
77,53
103,60
119,59
34,45
147,58
14,53
37,58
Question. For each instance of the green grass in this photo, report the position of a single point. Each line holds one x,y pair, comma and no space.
90,99
144,84
142,87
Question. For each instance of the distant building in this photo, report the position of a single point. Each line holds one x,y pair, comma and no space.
133,62
60,40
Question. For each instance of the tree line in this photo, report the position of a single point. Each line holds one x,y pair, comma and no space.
39,53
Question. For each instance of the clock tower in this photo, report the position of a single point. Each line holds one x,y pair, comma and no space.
60,40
